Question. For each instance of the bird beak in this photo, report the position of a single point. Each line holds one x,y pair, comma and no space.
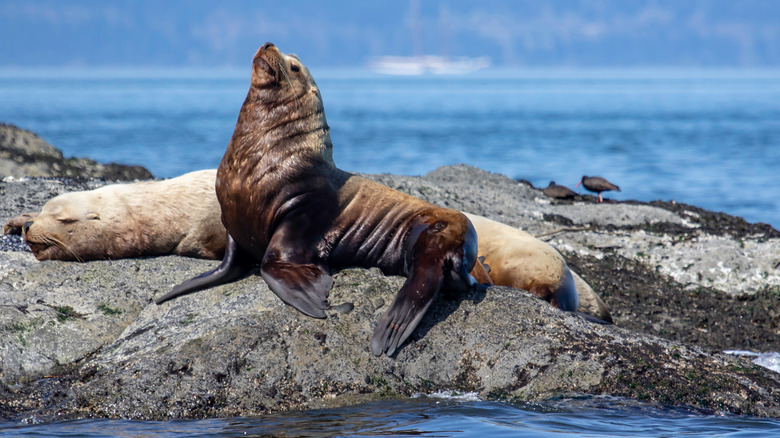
578,184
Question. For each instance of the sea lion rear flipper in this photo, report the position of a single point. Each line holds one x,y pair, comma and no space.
565,296
303,286
233,267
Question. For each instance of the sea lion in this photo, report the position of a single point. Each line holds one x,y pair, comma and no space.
517,259
290,210
173,216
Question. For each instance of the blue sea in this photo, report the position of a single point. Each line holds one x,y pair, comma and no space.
704,137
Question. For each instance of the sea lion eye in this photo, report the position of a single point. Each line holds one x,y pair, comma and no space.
67,220
295,68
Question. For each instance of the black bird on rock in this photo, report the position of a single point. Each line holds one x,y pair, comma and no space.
558,191
597,184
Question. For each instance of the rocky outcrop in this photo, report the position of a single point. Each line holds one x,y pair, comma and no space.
86,339
25,154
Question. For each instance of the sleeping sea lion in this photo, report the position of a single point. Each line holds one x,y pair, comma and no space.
173,216
517,259
290,210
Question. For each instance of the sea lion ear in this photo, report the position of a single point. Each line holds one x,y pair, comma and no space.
93,217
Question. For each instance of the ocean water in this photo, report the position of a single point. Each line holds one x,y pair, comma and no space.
709,138
439,415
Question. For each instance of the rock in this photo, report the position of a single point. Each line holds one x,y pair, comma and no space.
86,339
25,154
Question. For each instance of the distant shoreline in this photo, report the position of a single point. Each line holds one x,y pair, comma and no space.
358,71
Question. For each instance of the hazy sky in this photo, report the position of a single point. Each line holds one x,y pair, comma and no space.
578,33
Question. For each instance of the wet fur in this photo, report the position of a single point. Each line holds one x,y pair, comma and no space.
290,210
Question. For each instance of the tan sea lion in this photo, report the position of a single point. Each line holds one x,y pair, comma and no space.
173,216
517,259
290,210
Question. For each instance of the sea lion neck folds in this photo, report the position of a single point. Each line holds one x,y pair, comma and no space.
288,208
281,126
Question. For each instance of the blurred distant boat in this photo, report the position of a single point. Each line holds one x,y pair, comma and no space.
432,64
427,64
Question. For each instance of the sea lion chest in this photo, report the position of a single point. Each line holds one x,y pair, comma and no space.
245,208
294,211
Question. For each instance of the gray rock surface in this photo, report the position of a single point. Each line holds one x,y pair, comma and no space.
25,154
86,339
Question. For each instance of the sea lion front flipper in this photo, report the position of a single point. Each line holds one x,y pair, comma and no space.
15,225
303,286
408,308
234,266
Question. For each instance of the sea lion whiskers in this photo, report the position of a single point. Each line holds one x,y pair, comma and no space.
49,240
70,250
289,82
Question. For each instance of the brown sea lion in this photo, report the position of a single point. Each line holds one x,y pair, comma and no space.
287,207
520,260
173,216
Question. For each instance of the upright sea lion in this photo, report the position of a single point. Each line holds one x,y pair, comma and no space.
520,260
173,216
287,207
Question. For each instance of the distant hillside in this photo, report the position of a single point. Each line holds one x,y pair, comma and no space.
744,33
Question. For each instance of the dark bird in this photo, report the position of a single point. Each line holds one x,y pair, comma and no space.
559,192
597,184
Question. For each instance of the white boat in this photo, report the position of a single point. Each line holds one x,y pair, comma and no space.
427,64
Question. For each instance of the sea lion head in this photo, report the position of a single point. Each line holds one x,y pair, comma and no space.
282,77
60,231
281,130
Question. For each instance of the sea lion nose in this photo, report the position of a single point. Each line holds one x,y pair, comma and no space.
26,226
266,46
